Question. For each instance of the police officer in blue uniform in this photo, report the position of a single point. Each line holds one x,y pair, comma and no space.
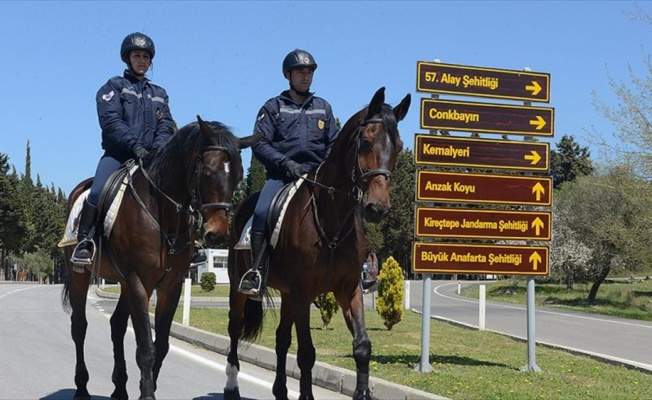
299,129
135,119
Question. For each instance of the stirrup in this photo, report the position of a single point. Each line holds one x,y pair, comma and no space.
83,262
254,291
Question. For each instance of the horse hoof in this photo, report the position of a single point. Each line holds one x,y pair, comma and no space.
120,395
82,395
362,395
232,394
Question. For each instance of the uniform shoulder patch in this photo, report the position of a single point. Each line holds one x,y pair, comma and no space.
108,96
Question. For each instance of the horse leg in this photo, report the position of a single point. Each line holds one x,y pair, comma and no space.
145,352
305,350
78,290
353,312
119,321
167,300
283,340
236,315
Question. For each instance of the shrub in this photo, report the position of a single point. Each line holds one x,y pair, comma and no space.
327,308
390,293
208,281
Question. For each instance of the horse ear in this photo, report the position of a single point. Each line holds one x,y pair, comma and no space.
376,104
249,141
400,111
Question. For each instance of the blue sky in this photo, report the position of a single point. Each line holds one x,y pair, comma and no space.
222,60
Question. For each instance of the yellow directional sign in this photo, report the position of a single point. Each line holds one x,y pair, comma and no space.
482,81
479,259
482,224
451,115
481,153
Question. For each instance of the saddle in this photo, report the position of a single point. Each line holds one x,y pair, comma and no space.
108,204
275,216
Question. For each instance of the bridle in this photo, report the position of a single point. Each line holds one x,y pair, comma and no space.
358,175
194,208
372,172
195,190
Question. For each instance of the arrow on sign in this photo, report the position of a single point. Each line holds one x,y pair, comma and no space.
535,259
539,122
534,157
539,190
535,88
537,224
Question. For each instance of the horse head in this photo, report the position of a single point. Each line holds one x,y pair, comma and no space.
377,146
217,173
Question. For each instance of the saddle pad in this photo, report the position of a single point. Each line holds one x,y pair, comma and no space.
245,239
70,234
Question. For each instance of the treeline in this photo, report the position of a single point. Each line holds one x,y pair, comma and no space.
31,224
601,219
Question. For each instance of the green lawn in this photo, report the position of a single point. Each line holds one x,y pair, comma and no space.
196,291
628,299
468,364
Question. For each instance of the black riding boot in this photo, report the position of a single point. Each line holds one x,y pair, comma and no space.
253,282
83,254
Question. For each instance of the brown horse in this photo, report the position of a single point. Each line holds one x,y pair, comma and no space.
321,247
188,185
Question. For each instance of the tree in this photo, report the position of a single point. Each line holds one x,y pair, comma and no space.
631,117
398,226
569,257
611,218
569,161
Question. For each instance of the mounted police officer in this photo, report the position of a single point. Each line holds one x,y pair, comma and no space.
299,129
135,119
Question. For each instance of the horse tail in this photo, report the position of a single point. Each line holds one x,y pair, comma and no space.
253,320
65,293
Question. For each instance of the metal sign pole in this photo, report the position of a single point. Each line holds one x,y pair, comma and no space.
531,341
424,365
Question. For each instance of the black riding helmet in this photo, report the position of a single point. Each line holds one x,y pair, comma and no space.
298,59
136,41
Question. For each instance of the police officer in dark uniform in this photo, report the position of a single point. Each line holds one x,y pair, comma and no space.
135,119
299,129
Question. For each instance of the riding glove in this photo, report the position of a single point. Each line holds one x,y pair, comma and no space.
140,152
292,168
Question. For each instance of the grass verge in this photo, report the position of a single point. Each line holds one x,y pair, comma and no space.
467,364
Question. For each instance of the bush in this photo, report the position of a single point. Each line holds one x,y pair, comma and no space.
327,308
208,281
390,293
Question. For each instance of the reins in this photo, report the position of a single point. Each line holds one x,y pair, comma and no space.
192,210
356,193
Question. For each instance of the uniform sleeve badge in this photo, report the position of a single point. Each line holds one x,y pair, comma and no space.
108,96
321,124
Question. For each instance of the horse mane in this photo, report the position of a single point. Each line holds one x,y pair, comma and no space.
184,142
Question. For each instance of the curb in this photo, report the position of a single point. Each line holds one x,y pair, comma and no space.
323,375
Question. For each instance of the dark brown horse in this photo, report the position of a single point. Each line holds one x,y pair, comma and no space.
189,184
321,247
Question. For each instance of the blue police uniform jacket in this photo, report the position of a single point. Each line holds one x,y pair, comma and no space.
302,132
133,112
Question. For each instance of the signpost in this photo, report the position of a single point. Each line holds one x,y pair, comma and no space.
481,153
482,81
466,116
482,224
479,259
484,188
488,224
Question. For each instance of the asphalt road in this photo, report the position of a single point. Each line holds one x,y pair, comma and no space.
37,356
620,340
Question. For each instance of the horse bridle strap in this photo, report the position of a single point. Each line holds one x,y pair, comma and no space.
195,191
372,172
